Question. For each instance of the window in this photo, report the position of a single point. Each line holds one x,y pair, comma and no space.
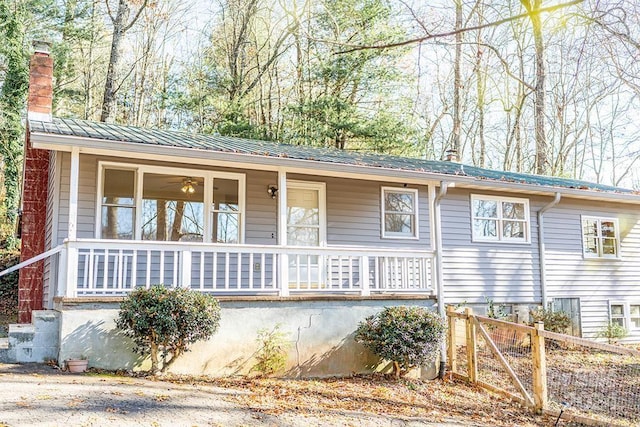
617,314
167,204
634,316
600,237
625,314
118,204
399,213
499,219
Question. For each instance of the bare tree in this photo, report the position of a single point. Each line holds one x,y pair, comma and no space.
122,22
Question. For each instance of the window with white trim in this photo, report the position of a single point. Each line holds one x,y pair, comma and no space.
399,213
625,314
616,314
169,204
600,237
499,219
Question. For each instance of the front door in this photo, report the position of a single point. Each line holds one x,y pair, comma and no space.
305,227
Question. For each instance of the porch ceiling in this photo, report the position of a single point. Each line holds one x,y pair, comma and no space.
142,139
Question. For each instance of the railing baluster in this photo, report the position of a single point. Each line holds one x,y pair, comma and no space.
226,271
239,267
147,282
214,279
250,270
201,258
105,272
134,269
161,266
89,274
263,270
350,258
176,259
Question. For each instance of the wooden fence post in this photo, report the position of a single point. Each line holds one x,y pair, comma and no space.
452,339
539,368
472,356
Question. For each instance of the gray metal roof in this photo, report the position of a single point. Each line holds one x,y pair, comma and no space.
217,143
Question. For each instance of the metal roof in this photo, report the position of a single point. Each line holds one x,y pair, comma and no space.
217,143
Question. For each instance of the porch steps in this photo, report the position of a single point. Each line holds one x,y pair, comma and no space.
33,342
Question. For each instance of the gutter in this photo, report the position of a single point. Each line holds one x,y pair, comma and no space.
541,247
444,186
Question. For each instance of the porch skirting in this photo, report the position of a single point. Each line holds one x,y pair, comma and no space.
320,330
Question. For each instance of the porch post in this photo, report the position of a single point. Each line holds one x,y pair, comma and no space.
365,289
74,180
282,233
71,279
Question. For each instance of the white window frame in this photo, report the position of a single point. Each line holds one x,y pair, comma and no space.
600,254
209,177
625,311
626,317
321,187
416,217
526,239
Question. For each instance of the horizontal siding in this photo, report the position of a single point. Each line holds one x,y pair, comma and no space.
473,271
49,265
594,281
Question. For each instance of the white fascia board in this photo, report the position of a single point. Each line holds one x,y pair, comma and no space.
314,167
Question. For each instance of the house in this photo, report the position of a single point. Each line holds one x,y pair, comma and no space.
312,239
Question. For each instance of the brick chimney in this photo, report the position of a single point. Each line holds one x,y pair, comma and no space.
34,185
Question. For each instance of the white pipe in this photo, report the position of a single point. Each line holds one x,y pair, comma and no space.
541,247
444,186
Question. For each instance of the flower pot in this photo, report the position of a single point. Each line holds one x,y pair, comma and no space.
77,365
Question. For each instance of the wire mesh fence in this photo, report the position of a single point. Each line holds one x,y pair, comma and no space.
592,380
581,381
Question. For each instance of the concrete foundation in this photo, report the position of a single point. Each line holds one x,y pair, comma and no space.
320,333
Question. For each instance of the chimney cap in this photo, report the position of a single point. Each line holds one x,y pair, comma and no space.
41,46
452,155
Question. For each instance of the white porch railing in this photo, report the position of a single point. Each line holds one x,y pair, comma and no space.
109,267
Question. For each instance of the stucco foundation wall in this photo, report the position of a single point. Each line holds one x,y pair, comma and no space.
320,332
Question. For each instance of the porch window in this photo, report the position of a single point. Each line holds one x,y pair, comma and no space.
118,204
399,213
600,237
172,208
168,204
499,219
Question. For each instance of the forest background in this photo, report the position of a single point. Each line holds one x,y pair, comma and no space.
537,86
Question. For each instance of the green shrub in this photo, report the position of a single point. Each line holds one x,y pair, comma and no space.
554,321
272,352
612,332
407,336
164,322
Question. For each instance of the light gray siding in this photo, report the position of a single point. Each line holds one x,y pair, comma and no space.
49,276
475,271
597,282
354,214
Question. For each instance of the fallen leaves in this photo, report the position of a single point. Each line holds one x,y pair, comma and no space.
437,401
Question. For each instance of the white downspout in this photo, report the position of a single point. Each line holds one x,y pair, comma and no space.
541,247
444,186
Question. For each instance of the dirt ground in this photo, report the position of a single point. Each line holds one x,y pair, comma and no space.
39,395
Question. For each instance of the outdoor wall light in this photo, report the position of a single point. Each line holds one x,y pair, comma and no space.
272,191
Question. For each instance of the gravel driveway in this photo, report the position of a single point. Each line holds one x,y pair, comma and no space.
39,395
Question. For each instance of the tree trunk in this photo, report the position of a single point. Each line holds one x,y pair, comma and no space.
457,81
542,163
119,29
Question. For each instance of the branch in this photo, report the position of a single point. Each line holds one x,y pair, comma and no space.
463,30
